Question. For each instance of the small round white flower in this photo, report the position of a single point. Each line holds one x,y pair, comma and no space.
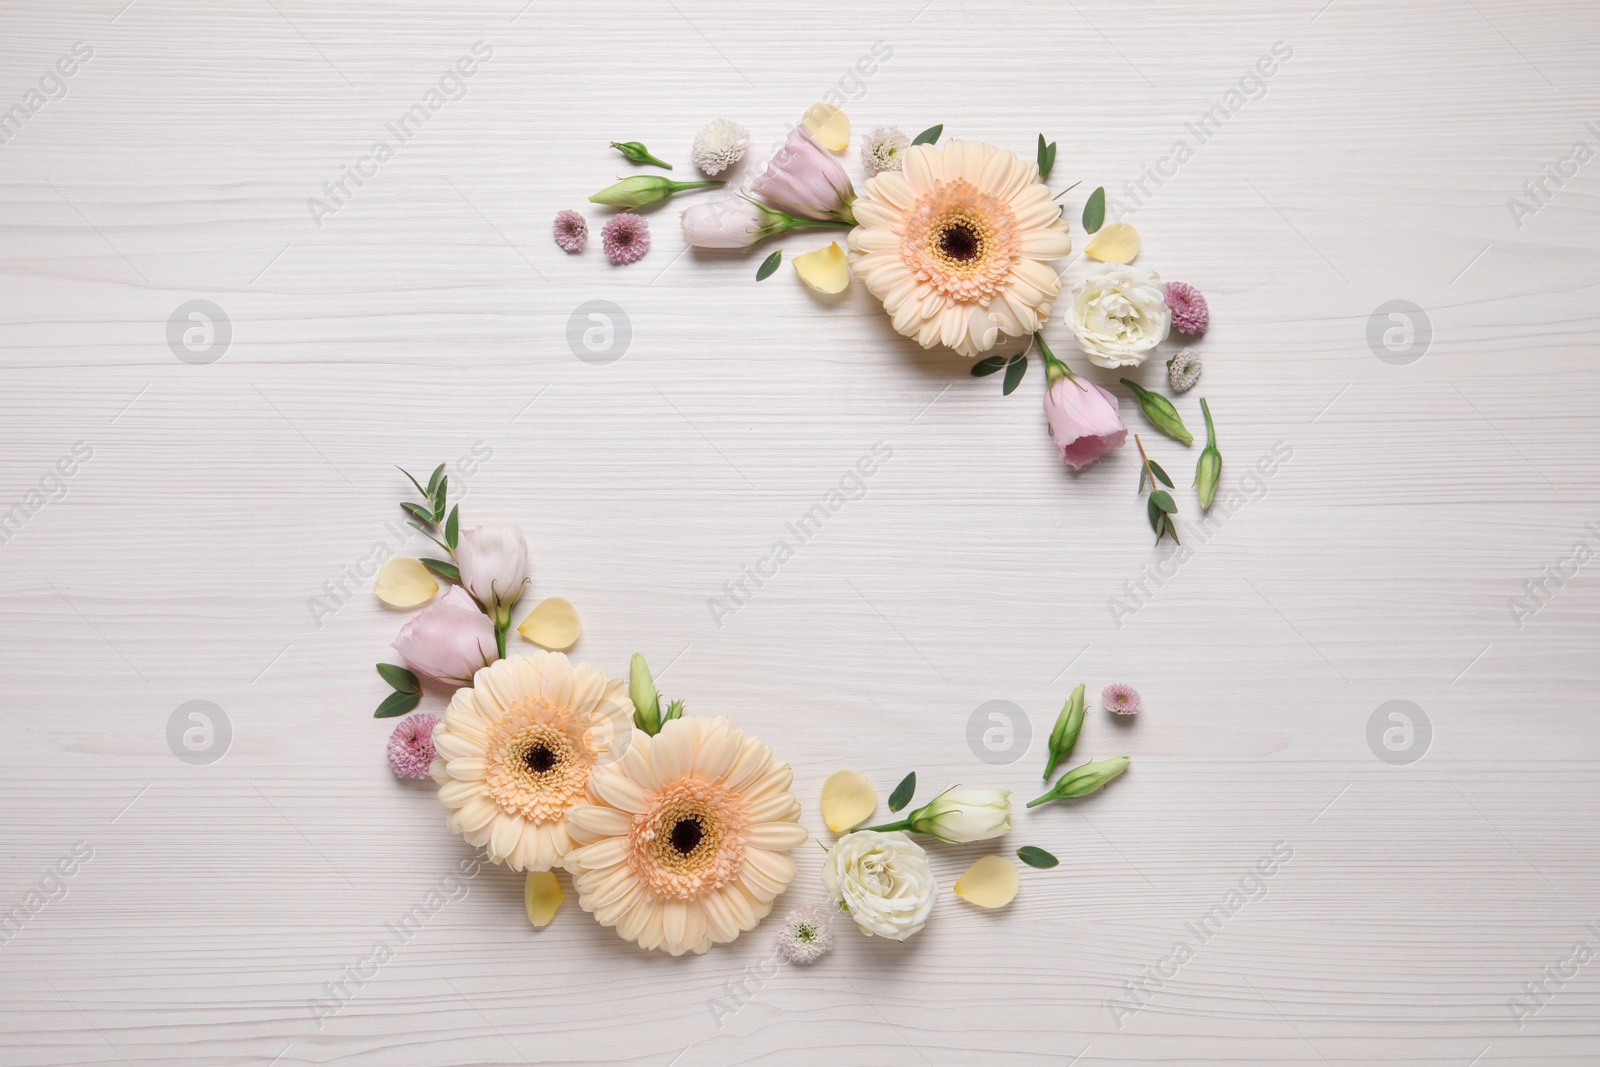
1119,314
884,149
719,146
883,881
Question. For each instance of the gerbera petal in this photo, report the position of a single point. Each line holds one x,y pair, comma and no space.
455,793
923,167
606,852
776,836
637,767
504,837
766,874
750,765
590,822
467,768
619,792
674,923
775,807
475,814
1046,244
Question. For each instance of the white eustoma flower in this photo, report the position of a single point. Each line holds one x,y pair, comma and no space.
964,815
1119,314
883,881
494,568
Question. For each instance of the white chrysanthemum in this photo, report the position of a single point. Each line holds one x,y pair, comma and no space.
515,752
719,146
884,149
806,937
955,245
688,842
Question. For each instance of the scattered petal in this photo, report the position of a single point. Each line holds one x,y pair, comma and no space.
826,270
542,896
1117,242
553,624
991,882
404,582
829,125
848,797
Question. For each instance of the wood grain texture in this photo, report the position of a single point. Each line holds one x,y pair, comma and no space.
1406,507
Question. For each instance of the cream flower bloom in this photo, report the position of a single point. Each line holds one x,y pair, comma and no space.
515,752
687,845
883,881
955,245
1119,315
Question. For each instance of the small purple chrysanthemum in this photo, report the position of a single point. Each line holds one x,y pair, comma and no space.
627,238
806,935
571,231
411,746
1190,313
1120,699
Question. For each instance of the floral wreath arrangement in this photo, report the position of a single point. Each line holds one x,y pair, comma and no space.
956,242
676,829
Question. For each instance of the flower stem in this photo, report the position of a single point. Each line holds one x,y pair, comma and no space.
1043,800
500,639
903,824
1054,369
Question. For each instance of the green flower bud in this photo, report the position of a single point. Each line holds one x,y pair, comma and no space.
643,190
639,153
1081,781
1065,734
674,711
1159,410
642,691
1209,470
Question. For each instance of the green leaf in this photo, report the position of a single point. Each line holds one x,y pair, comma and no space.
1172,530
1014,372
418,512
1157,516
903,792
400,679
1094,211
433,481
989,365
929,135
769,265
1036,857
452,527
439,494
1163,500
423,492
440,567
1047,157
1159,473
397,704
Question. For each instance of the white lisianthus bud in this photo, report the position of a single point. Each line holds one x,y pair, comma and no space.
732,223
964,815
494,569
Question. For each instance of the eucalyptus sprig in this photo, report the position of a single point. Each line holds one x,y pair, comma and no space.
429,518
1160,507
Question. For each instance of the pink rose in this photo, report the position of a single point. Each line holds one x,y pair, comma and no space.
450,641
805,180
1083,420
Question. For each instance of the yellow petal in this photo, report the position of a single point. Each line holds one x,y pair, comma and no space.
826,270
552,623
989,883
829,125
542,895
404,583
848,797
1117,242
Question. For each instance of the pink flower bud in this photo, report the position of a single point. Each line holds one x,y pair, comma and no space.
1084,420
805,180
449,641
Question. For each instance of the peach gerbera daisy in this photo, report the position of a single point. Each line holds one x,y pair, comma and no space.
688,843
515,752
955,245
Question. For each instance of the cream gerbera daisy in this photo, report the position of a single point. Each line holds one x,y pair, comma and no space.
955,245
515,752
688,844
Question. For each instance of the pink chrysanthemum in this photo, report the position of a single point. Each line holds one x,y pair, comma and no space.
411,746
571,231
1190,313
627,238
806,935
1120,699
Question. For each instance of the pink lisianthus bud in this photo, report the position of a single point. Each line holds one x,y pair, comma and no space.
449,641
732,223
494,568
1084,420
804,179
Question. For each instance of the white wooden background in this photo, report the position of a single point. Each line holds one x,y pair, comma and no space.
430,313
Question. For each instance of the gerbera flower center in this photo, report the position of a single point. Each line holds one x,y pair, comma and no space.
539,759
687,835
961,241
690,840
537,762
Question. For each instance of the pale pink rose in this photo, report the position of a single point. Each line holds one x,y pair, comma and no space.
449,641
805,179
1084,420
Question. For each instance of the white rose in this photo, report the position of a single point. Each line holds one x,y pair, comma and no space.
883,880
1119,314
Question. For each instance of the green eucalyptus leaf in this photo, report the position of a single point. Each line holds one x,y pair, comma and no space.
1094,210
418,512
1155,468
400,679
397,703
423,492
439,495
1163,500
769,265
433,481
1014,373
989,365
1157,516
440,567
452,527
903,792
929,135
1036,857
1047,157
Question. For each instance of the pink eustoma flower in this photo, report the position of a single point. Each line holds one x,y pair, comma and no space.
1084,419
450,641
805,179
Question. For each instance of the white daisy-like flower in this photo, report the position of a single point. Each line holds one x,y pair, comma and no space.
688,841
516,749
884,149
806,936
956,244
719,146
